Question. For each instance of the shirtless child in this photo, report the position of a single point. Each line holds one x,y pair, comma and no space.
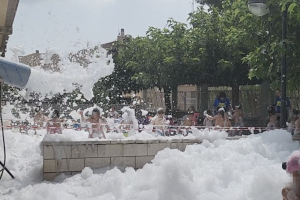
207,122
273,118
297,125
238,116
97,122
189,120
54,125
221,119
39,118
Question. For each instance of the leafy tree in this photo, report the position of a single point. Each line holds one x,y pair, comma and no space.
265,57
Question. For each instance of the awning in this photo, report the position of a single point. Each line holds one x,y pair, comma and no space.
8,9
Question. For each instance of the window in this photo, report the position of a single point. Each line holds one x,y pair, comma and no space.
193,94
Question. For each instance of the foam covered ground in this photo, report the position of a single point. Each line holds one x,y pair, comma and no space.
217,169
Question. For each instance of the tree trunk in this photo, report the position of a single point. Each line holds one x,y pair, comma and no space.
167,92
235,94
174,98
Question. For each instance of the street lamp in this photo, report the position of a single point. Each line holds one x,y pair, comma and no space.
259,8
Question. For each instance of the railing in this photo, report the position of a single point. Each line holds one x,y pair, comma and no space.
127,127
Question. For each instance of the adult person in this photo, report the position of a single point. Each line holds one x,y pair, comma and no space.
277,106
222,102
96,122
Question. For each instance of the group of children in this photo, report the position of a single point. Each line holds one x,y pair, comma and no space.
53,122
223,119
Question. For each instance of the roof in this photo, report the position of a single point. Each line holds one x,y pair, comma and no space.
108,46
8,11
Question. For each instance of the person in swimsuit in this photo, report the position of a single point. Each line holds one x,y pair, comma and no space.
208,122
238,119
159,122
95,123
272,117
221,118
189,121
39,119
54,124
297,124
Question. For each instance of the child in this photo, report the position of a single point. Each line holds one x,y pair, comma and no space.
39,118
297,124
292,192
95,123
221,119
272,117
238,116
159,121
208,122
189,121
54,124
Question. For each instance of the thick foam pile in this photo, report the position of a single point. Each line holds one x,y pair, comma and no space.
248,168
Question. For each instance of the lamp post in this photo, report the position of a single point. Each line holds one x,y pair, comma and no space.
259,8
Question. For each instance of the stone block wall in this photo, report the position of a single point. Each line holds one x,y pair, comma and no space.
72,157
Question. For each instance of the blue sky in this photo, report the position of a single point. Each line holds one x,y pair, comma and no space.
68,25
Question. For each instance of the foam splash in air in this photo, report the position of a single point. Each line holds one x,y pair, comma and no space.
71,75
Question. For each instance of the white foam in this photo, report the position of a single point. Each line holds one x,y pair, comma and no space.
71,76
248,168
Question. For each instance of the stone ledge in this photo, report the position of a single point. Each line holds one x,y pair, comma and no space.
123,161
96,163
118,141
57,152
85,150
72,157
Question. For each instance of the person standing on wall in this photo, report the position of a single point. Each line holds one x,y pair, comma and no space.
277,106
222,102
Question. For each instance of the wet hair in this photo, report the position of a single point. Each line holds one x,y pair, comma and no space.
160,111
271,110
55,114
191,108
238,106
96,110
209,112
221,111
222,95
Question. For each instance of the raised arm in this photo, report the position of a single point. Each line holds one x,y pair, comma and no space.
210,117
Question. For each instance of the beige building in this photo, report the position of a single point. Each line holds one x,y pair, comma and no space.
38,59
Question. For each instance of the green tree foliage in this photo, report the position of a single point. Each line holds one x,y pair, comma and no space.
267,49
223,46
